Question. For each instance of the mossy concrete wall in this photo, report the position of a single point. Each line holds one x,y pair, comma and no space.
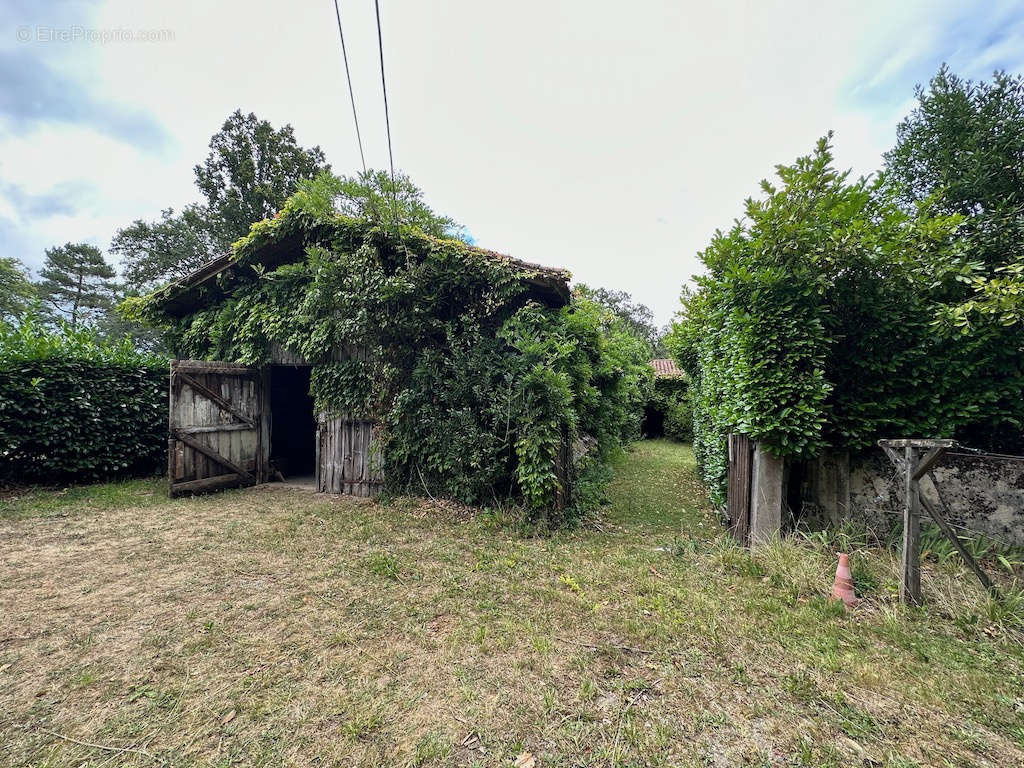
766,497
983,494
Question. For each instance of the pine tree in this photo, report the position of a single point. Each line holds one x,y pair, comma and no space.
77,283
16,292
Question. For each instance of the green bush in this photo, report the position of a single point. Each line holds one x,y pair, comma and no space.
73,408
670,396
679,420
816,326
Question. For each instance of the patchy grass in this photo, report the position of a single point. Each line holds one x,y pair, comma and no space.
277,627
48,502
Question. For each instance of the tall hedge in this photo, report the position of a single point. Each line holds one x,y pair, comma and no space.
818,324
75,409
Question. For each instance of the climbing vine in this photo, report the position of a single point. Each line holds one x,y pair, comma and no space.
474,384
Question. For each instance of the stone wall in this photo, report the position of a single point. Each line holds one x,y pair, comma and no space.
983,494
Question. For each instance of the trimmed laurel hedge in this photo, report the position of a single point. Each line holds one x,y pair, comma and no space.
74,409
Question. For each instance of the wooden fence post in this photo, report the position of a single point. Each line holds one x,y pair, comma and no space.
766,497
914,468
741,453
910,575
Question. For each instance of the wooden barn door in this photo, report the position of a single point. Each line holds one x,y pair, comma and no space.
216,426
741,460
346,459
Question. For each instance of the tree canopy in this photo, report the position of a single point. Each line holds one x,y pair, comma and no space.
174,246
251,170
16,291
77,284
637,318
961,150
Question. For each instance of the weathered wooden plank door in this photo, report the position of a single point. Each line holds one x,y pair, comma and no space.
347,459
741,453
216,426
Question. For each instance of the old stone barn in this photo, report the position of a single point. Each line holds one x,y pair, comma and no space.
339,354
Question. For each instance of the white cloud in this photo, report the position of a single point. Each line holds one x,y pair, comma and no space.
608,138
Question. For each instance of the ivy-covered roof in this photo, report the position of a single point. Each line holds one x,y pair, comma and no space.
284,240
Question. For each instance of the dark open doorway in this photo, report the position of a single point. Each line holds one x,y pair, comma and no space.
653,424
794,482
292,423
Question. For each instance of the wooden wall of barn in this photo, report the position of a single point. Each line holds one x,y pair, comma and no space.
347,460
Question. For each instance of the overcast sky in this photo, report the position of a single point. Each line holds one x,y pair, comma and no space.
609,138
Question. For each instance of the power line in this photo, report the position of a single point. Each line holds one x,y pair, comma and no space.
387,118
351,94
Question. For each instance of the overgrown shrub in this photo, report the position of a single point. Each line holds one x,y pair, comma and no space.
73,408
670,397
473,385
679,419
818,325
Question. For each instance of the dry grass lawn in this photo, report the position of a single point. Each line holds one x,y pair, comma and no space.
277,627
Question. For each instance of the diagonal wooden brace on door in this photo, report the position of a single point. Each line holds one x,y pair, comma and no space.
217,426
221,403
212,454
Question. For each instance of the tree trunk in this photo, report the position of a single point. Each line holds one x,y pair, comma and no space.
78,299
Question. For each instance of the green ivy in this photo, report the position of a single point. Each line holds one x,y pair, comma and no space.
473,384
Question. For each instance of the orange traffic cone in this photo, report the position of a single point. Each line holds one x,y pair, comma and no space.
842,588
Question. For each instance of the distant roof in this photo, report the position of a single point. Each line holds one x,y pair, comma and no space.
665,366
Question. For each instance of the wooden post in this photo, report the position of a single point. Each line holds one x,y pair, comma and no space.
913,500
741,454
913,468
172,445
940,520
910,574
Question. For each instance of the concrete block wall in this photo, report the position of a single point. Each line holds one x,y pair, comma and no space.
982,494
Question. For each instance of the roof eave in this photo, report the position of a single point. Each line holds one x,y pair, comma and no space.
186,295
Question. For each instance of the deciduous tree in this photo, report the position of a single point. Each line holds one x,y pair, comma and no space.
251,171
637,318
152,253
962,150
